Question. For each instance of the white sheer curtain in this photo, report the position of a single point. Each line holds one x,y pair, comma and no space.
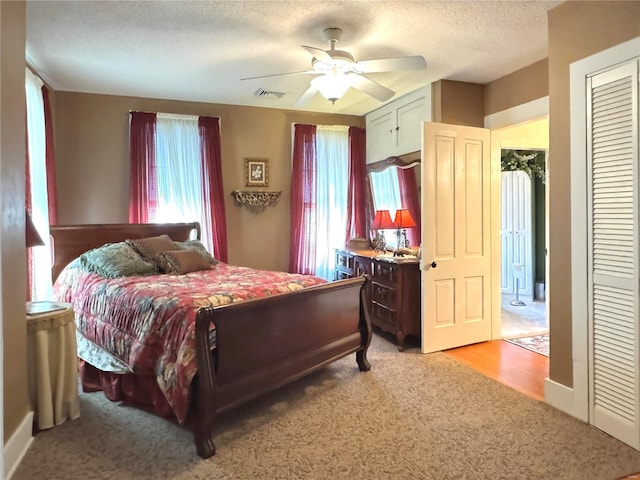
41,285
179,172
332,153
385,188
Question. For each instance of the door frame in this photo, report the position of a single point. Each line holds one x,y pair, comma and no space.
526,112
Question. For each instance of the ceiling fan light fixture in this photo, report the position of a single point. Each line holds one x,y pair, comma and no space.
332,86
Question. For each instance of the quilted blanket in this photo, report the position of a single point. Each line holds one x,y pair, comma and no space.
148,322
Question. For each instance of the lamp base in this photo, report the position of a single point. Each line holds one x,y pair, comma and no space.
380,244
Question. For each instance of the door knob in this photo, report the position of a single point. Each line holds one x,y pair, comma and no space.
434,264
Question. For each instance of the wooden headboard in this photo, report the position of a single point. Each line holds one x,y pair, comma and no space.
71,241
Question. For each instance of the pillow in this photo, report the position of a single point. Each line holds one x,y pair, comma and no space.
116,260
198,247
178,262
150,247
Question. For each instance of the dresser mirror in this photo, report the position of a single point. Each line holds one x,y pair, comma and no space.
394,184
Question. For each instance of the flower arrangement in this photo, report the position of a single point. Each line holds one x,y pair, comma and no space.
527,160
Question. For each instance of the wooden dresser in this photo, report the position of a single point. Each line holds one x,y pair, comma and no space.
394,291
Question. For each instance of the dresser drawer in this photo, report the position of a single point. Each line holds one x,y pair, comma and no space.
362,266
384,317
342,274
383,295
345,261
385,272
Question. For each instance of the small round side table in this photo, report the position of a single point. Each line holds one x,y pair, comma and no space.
52,364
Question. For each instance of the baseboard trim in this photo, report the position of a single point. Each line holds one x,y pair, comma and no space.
561,397
18,445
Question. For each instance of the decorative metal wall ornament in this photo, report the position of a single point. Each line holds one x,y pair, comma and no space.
255,201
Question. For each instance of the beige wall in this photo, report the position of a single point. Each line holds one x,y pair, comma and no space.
522,86
13,280
92,155
457,103
576,30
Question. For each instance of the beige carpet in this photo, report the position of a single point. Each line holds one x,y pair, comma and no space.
412,416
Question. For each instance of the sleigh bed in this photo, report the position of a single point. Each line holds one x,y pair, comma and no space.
242,349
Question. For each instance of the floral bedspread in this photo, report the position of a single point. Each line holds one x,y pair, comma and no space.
148,322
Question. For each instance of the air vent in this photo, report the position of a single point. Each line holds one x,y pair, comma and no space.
262,93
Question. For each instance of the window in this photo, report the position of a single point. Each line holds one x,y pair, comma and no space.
176,174
332,173
178,171
37,196
319,190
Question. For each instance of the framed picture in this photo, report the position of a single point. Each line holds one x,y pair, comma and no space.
257,172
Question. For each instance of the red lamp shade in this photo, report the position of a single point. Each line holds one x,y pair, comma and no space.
32,237
382,220
404,219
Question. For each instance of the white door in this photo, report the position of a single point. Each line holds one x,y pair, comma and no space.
516,233
506,235
456,255
613,271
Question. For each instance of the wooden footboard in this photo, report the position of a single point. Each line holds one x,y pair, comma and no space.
266,343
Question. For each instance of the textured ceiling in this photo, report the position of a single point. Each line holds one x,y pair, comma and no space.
199,50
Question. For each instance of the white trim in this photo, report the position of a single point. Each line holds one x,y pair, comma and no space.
521,113
561,397
32,65
17,446
579,307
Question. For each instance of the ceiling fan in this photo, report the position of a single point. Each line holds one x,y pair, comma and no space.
337,70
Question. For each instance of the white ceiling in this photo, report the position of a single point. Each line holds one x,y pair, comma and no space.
199,50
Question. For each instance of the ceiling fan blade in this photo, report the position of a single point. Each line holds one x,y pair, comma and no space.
306,96
281,74
415,62
370,87
318,53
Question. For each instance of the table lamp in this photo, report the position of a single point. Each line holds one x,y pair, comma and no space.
402,221
381,222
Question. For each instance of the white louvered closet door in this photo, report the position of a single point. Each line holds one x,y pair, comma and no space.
614,339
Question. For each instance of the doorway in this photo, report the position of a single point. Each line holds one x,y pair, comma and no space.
523,149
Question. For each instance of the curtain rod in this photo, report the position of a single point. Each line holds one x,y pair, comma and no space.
176,116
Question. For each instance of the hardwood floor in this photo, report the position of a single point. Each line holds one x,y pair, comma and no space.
514,366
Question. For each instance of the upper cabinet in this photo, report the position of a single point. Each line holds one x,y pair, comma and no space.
396,128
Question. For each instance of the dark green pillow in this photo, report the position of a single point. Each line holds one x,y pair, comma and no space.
117,260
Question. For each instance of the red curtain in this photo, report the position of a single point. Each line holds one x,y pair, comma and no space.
212,187
142,184
50,159
410,198
303,201
356,203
